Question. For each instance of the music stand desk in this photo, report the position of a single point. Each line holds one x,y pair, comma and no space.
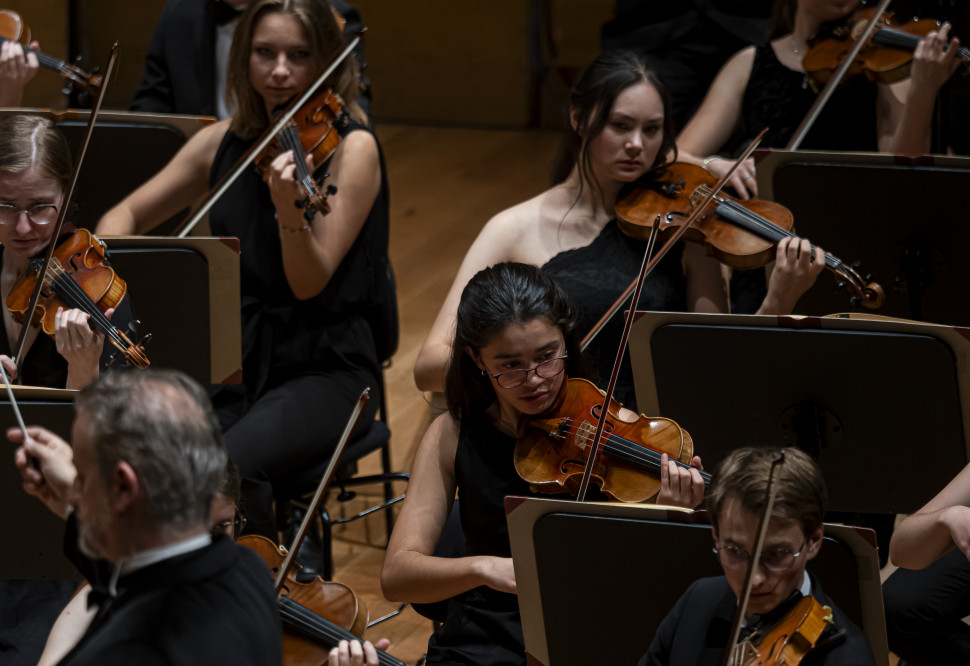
872,401
596,579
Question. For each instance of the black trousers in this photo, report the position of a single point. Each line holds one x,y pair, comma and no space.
293,425
925,609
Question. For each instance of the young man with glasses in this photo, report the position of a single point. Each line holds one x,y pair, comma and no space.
697,630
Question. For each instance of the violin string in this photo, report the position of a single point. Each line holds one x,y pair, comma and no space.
323,629
291,140
635,452
73,291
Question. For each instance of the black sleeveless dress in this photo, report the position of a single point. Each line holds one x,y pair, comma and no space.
304,361
483,626
594,276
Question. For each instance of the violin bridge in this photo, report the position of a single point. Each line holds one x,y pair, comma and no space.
584,434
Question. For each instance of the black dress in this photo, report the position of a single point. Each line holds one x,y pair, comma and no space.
483,625
594,276
305,362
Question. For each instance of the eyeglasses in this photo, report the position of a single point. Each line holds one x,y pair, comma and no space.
39,213
547,369
222,527
773,559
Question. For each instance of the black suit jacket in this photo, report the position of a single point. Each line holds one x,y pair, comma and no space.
179,74
696,631
211,606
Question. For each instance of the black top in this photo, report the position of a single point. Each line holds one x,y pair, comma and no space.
281,334
778,98
698,628
215,605
594,276
483,625
43,366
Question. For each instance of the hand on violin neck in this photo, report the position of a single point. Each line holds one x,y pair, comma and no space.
795,271
934,61
286,191
680,486
353,653
80,345
17,68
51,479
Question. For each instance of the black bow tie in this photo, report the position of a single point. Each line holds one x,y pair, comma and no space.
225,13
100,596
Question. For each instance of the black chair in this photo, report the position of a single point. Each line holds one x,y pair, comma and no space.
294,490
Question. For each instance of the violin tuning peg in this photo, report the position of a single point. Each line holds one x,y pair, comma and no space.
854,301
855,264
145,339
841,286
331,189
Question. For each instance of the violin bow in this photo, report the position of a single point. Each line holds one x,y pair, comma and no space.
648,265
314,505
770,492
65,204
247,158
836,79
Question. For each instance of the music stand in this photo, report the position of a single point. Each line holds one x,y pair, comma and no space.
186,294
595,580
34,540
869,400
109,174
893,214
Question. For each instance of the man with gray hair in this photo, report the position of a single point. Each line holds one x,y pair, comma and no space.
147,461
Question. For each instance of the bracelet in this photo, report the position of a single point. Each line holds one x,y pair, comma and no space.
296,231
711,158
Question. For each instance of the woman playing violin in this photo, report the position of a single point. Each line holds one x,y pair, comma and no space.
620,130
306,284
764,86
35,170
515,340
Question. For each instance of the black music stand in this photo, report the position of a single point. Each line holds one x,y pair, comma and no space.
34,537
595,580
896,216
873,401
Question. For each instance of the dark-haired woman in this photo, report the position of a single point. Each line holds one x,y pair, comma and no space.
765,86
515,341
620,131
306,285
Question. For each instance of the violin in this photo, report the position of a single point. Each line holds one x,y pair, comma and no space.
13,28
551,453
741,234
884,59
79,276
789,640
314,130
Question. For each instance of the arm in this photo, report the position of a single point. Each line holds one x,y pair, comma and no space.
54,474
352,653
16,71
183,180
707,289
931,532
493,245
311,255
794,273
717,118
410,572
904,110
154,92
70,625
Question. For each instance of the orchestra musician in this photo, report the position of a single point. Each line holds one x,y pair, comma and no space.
927,598
620,129
17,68
35,171
307,286
697,630
764,86
515,340
148,466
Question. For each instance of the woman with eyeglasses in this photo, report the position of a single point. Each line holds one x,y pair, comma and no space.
35,171
515,342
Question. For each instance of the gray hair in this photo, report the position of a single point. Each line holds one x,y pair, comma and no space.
161,423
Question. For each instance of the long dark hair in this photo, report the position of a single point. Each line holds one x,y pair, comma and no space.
495,298
592,99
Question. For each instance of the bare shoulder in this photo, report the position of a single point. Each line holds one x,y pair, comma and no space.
361,143
738,67
204,144
519,229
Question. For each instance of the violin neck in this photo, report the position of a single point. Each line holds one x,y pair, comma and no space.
897,39
305,622
46,61
745,219
632,452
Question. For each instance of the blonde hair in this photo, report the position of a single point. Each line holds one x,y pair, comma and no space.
323,38
34,142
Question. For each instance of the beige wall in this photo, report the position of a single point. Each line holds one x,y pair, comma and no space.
432,61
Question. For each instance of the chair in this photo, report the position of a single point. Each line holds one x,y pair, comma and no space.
383,319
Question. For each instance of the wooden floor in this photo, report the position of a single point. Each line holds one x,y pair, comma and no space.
445,184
